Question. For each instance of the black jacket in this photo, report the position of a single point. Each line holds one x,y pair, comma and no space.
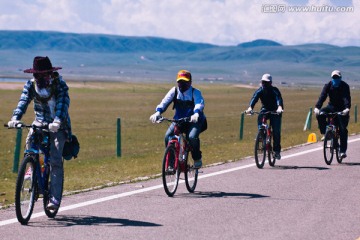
339,97
270,98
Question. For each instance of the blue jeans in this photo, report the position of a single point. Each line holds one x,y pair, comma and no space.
275,123
192,131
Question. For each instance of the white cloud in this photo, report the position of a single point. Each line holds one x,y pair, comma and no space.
223,22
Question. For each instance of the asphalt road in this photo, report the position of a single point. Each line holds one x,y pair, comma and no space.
300,198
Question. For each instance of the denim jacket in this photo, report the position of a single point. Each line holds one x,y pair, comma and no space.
55,107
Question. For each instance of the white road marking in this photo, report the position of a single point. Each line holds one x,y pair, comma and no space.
125,194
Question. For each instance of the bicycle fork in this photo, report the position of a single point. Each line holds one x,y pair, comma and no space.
175,142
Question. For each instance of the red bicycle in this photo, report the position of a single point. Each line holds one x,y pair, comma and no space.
176,160
263,142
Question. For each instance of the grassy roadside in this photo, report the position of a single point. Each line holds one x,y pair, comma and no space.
95,107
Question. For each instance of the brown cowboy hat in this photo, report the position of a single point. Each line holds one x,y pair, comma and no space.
41,65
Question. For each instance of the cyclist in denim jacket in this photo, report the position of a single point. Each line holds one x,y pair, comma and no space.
51,103
188,102
271,100
339,101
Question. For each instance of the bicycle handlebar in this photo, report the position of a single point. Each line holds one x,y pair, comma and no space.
331,113
23,125
265,113
181,120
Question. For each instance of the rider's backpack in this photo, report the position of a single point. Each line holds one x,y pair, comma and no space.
71,148
204,126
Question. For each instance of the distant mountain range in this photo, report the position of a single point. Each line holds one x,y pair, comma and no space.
72,42
159,58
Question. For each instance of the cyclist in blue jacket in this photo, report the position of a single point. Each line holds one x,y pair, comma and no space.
271,100
188,102
51,103
339,101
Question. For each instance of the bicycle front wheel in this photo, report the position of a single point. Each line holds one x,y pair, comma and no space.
47,195
26,189
337,149
270,154
328,147
170,171
260,149
191,174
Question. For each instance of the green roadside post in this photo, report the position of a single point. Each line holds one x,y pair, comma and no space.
307,125
118,138
355,114
310,116
17,150
242,126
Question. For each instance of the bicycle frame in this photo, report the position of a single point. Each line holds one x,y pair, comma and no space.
175,140
268,131
182,147
36,149
331,123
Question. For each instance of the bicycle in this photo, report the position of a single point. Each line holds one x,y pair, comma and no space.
176,160
33,177
263,145
331,138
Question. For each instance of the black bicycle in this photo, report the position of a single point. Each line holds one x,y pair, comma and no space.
176,160
331,138
33,180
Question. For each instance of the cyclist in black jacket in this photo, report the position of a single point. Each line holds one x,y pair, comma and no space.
339,101
271,100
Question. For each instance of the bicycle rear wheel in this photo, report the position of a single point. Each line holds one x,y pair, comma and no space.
260,149
47,194
191,174
26,189
328,147
170,171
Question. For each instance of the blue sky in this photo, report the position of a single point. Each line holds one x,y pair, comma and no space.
221,22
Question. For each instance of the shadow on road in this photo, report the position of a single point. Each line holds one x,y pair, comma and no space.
350,164
68,221
224,195
298,167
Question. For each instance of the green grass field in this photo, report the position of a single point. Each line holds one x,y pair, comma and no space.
96,106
